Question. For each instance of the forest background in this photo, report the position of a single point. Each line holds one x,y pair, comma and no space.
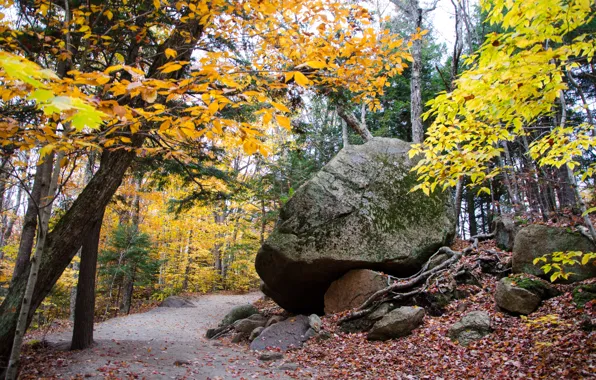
211,141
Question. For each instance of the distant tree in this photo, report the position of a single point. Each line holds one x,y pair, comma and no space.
127,262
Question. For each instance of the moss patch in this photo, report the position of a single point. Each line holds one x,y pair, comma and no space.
584,294
535,286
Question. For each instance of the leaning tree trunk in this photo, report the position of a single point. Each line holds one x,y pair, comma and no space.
34,263
84,313
41,181
63,242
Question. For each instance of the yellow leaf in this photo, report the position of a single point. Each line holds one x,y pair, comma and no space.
289,76
280,107
108,14
300,78
283,122
170,68
171,53
316,64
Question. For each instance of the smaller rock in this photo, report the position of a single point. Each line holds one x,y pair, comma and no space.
255,333
283,335
270,355
175,301
274,319
505,231
366,322
247,325
352,289
211,333
238,312
324,335
516,299
437,260
238,337
472,326
584,294
315,322
397,323
288,366
310,333
380,311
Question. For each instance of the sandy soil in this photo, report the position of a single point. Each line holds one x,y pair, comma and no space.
169,343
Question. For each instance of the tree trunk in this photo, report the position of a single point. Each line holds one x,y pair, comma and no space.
188,255
27,306
73,291
65,239
471,205
128,289
82,335
416,86
41,182
353,123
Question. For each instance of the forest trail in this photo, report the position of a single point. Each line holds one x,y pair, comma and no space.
167,343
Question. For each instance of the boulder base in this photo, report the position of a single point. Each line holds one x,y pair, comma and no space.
537,240
356,213
352,289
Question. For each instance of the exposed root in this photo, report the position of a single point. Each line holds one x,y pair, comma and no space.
395,291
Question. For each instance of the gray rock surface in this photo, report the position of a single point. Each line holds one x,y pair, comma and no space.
473,326
356,213
255,333
505,232
175,301
238,312
274,319
352,289
271,355
283,335
315,322
247,325
536,240
397,323
515,299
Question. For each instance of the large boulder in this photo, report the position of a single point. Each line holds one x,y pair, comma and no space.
352,289
472,326
283,335
356,213
397,323
537,240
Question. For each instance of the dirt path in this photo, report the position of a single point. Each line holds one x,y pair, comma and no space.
168,343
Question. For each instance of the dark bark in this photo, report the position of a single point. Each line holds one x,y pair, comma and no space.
65,239
128,289
353,123
471,205
82,336
41,182
565,192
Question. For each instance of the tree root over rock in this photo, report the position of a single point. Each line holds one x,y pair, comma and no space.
404,288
